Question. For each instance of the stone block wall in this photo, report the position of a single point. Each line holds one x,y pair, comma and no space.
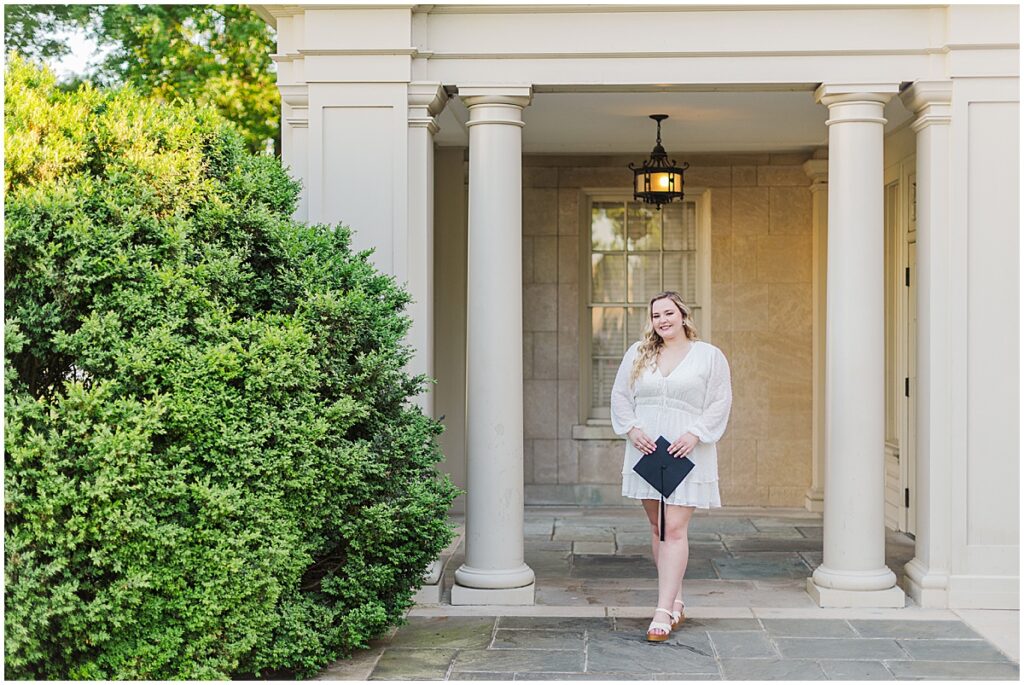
761,319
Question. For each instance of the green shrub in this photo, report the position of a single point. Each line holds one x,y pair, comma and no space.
212,465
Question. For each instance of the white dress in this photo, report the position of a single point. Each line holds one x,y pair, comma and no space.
695,397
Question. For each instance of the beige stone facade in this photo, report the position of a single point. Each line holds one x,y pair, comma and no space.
761,317
918,200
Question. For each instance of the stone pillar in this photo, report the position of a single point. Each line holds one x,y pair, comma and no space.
927,574
853,571
494,571
426,100
817,170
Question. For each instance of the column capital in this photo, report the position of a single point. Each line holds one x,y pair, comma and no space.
833,93
850,103
930,101
484,94
817,171
426,100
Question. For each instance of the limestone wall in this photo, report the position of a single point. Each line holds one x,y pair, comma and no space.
760,312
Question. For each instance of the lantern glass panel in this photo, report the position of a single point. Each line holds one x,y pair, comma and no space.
638,182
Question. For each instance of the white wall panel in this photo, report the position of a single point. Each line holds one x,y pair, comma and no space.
455,31
695,71
358,148
357,29
357,173
993,325
984,276
977,24
357,68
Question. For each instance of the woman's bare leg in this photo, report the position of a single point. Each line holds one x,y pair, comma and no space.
652,508
670,556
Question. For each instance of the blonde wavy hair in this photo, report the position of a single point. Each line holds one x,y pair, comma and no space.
651,343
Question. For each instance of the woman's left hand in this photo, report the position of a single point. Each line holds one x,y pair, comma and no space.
683,445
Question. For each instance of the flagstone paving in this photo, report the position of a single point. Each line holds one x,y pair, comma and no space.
750,617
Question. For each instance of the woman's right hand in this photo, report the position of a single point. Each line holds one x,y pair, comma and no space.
641,440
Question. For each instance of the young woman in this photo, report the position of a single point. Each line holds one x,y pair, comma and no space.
673,385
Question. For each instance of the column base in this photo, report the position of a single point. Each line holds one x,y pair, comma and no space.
929,590
814,500
830,597
519,596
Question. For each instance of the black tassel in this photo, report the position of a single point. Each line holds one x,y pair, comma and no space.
661,528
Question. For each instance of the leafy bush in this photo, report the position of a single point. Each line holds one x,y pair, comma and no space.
212,466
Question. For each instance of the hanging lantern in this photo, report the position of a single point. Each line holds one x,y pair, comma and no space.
658,181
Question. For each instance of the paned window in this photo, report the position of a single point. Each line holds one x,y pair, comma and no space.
636,251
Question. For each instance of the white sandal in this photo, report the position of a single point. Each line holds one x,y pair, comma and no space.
678,616
658,625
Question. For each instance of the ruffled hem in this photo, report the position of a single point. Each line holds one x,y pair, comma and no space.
703,495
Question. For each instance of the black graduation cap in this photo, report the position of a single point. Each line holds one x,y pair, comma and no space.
664,472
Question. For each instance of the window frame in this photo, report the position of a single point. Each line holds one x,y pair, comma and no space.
591,425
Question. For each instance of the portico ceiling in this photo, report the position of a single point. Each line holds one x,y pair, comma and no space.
700,122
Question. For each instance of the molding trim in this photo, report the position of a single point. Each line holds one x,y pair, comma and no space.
863,120
393,52
931,101
671,54
926,120
625,7
829,93
483,95
426,100
921,94
817,171
981,46
674,87
509,122
295,95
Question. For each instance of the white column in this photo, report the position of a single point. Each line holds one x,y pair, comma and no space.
494,571
927,574
853,571
426,100
817,170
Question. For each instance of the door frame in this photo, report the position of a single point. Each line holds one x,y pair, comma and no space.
901,392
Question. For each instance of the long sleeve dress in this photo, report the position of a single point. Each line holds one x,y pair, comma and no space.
694,397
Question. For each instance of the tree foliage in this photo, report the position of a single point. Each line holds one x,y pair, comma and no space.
215,55
29,29
212,466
